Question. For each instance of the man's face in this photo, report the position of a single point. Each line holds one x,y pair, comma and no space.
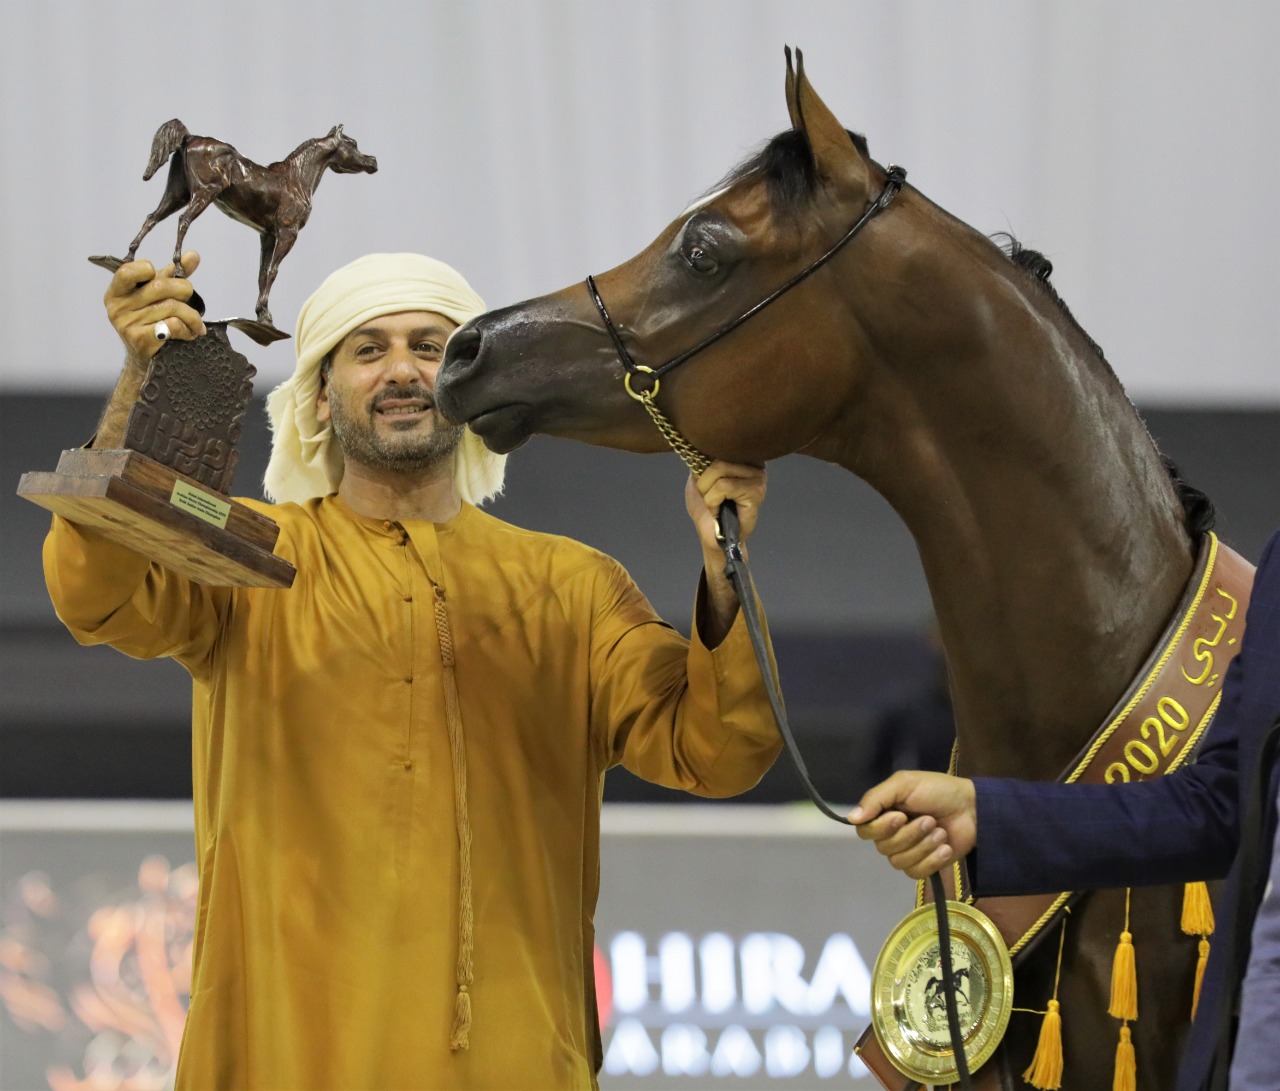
379,395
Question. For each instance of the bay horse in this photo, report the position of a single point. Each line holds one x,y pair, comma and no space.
274,200
945,372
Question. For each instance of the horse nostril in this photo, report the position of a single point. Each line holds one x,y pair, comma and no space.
463,348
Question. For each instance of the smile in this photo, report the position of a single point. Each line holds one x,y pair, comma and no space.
403,407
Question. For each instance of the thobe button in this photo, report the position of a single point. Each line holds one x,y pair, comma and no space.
408,598
408,679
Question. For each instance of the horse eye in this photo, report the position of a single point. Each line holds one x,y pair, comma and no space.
699,260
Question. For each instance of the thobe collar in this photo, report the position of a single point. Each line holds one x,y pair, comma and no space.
395,528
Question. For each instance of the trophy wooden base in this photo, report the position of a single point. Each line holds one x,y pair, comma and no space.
162,514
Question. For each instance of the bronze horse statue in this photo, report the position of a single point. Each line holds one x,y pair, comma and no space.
945,372
274,200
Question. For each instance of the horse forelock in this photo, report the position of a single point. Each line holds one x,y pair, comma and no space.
785,165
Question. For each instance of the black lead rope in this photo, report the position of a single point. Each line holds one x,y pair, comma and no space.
740,576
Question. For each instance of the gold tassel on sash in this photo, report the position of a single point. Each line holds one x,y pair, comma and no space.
1197,920
1197,910
1045,1070
1126,1077
1201,962
1124,1005
1124,974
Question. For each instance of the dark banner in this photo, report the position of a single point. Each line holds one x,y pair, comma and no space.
734,945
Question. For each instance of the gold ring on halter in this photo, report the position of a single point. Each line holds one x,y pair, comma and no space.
647,394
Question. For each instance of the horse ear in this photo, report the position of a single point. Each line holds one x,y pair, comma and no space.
833,151
336,131
793,108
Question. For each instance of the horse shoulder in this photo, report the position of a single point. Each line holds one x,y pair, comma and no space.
294,212
293,184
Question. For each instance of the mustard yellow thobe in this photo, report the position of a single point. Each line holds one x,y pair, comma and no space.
327,929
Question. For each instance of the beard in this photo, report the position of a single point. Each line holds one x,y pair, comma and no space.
410,451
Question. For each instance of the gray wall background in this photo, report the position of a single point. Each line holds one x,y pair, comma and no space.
532,142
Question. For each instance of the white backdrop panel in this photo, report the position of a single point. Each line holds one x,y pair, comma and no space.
531,143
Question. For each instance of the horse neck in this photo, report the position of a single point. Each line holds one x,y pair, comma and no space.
1050,535
309,162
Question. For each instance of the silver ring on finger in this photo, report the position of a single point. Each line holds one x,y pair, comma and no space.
161,330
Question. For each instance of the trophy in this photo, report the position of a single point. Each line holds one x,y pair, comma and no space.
165,493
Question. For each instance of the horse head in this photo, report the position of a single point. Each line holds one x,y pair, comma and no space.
345,157
549,365
921,357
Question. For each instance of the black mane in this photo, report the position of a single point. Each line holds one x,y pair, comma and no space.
1040,267
786,165
1199,514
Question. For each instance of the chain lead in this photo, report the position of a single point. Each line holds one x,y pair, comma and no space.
693,458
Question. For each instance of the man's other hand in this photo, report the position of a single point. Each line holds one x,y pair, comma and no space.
919,821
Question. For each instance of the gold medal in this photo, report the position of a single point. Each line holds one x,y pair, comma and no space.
908,999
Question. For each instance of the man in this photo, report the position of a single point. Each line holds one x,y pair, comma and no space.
398,761
1024,837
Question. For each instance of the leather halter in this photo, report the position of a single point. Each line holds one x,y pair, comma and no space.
896,177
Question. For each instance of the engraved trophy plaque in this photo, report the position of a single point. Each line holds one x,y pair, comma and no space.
165,492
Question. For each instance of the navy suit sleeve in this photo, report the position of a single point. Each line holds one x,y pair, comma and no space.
1037,837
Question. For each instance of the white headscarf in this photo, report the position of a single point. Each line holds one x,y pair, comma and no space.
305,462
